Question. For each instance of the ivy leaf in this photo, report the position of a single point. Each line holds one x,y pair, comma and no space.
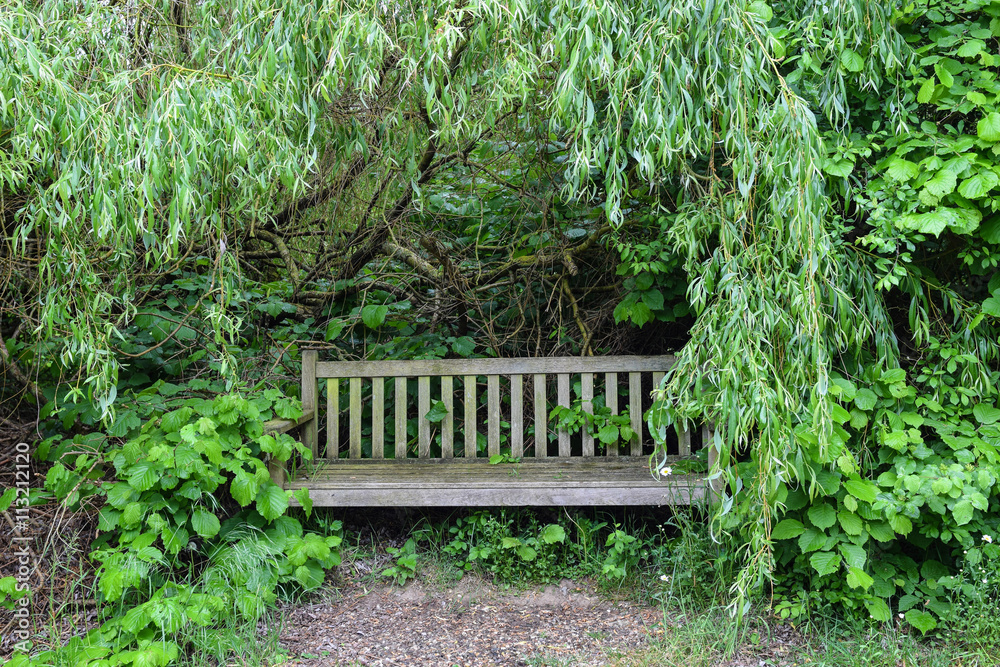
825,562
921,620
851,61
787,529
822,515
988,128
272,501
205,523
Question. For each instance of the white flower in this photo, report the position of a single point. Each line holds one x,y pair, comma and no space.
900,615
664,577
666,470
987,539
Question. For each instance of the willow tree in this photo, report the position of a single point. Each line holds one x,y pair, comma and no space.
131,133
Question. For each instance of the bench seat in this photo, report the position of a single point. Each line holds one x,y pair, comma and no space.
623,481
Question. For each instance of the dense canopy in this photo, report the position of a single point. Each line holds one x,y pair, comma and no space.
798,197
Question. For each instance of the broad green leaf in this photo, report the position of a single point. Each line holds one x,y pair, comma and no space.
608,434
857,578
963,512
374,316
988,128
437,413
986,414
978,185
822,515
7,499
901,524
865,399
942,183
825,562
205,523
921,620
271,501
944,76
854,555
863,490
851,523
244,487
787,529
926,91
553,533
878,609
851,61
902,170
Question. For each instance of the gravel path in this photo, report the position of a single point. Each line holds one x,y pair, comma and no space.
472,625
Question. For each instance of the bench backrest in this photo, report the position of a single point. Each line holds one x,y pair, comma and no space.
518,394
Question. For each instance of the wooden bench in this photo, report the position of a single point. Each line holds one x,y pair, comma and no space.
441,438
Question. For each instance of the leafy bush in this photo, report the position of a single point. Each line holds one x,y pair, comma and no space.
193,528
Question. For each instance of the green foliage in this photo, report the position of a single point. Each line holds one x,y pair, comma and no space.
406,562
193,529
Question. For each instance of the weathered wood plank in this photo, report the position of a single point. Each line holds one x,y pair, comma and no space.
378,418
551,482
683,440
448,423
541,417
399,398
423,424
587,400
309,431
355,417
562,386
519,366
635,411
286,425
516,416
611,400
493,414
657,378
469,384
332,418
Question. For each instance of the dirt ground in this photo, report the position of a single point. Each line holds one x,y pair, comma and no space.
471,624
476,624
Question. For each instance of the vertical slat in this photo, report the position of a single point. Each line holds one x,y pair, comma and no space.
516,416
423,425
683,440
541,418
587,389
378,418
332,418
562,386
611,400
448,423
400,400
635,411
469,383
657,377
309,429
493,406
355,417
